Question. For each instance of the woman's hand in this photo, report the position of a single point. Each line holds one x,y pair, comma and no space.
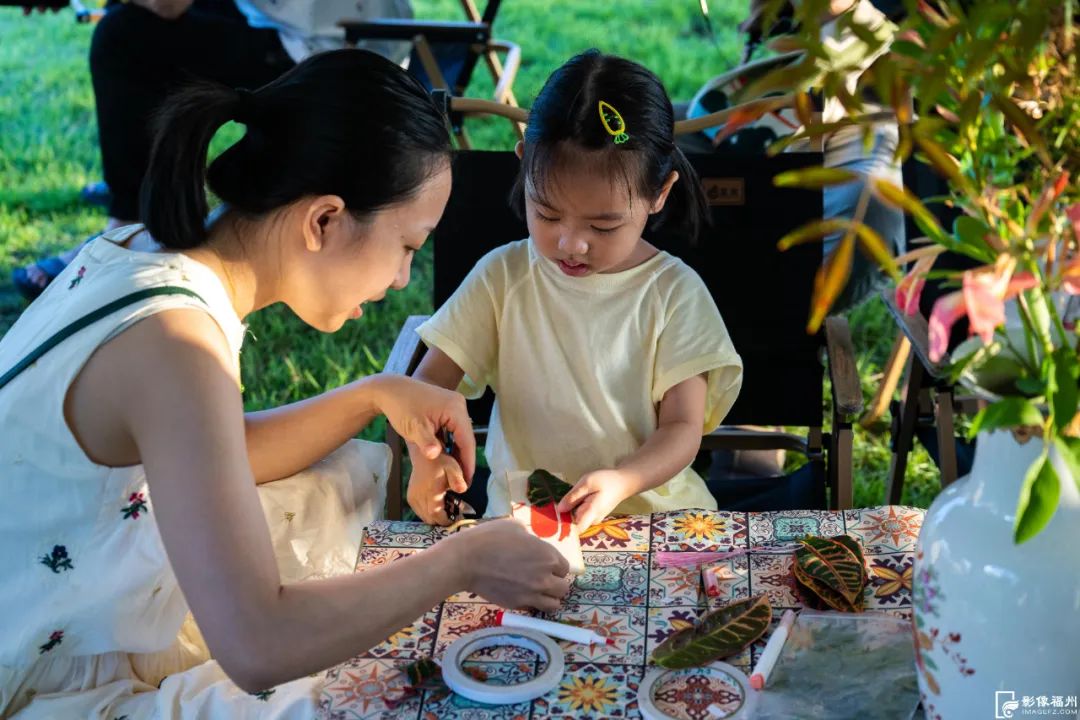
418,411
428,484
504,564
594,496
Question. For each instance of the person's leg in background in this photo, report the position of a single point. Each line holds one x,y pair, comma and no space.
136,59
845,150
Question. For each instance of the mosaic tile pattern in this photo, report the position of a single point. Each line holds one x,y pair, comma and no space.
623,595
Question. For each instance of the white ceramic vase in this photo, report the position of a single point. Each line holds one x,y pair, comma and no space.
998,623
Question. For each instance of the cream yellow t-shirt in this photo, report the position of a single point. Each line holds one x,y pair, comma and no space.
579,365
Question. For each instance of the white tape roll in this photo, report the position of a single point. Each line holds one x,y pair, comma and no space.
721,672
477,691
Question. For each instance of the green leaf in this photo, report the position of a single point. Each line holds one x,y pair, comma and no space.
1007,413
814,178
545,488
1069,448
1038,500
719,634
1065,393
972,233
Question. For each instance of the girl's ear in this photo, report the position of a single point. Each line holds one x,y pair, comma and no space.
519,149
665,190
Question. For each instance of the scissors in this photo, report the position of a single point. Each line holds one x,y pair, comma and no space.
452,500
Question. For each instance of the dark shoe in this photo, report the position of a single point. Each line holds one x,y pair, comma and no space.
97,193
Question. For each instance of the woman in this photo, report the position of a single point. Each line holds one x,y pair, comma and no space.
129,468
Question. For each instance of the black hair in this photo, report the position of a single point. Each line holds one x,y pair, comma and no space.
348,123
565,119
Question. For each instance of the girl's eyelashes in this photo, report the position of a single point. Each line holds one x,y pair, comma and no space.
604,231
544,218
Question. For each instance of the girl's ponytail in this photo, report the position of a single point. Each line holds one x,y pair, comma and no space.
685,211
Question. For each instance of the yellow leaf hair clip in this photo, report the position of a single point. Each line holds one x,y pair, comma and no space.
613,123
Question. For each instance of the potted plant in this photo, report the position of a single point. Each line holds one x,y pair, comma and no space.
986,92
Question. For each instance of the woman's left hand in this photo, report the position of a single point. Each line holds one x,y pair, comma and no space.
594,496
418,411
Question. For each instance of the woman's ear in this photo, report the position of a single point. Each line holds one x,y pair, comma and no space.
321,215
665,190
519,149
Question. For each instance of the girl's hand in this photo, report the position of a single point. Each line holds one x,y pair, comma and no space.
594,496
428,484
418,411
504,564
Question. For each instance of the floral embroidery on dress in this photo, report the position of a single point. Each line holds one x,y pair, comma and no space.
264,695
78,278
57,560
137,504
55,639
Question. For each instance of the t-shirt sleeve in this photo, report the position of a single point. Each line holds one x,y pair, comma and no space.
466,327
695,341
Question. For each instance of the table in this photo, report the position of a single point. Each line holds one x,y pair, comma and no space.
624,596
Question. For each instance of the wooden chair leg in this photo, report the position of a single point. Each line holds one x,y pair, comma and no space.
943,416
394,483
894,370
909,414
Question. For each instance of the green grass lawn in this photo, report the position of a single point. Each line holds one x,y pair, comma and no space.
48,151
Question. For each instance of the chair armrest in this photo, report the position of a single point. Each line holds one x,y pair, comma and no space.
737,438
509,69
435,32
408,348
917,331
847,390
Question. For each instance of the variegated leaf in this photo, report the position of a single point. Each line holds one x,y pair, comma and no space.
833,563
719,634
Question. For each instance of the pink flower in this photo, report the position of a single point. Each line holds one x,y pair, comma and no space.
947,310
984,296
910,288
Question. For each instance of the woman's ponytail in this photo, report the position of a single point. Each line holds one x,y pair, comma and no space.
173,196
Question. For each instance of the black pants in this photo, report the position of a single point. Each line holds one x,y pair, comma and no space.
137,59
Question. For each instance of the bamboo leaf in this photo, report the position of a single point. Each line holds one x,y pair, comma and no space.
903,199
944,163
874,246
815,178
813,231
804,108
719,634
1006,413
545,488
1038,500
1023,124
830,280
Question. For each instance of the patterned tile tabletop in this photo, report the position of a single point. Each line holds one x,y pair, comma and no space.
625,596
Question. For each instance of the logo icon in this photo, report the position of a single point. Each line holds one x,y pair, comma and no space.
1005,703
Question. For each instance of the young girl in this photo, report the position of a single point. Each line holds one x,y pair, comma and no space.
129,467
608,357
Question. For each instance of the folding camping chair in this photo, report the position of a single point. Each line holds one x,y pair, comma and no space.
445,54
